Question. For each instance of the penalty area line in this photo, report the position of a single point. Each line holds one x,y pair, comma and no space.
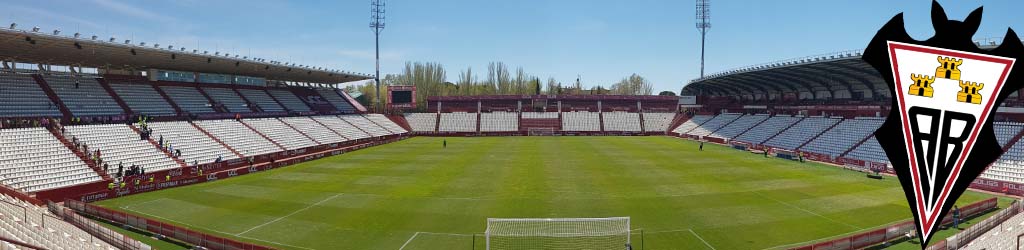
701,239
409,240
287,215
212,230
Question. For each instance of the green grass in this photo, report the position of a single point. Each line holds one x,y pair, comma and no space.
378,198
143,237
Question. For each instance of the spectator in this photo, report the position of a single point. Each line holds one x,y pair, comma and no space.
161,140
956,217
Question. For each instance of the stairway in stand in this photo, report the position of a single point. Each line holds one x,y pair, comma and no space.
103,174
53,96
240,156
157,145
300,131
167,98
263,135
117,98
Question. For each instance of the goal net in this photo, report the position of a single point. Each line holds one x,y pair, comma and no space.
541,131
558,233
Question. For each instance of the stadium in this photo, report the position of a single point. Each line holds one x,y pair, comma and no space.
115,144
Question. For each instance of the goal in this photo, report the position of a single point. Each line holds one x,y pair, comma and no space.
558,233
541,131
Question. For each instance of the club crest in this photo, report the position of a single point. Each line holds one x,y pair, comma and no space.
945,92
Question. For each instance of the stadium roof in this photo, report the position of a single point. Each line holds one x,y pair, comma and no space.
820,76
52,48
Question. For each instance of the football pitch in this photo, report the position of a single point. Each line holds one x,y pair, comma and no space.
414,194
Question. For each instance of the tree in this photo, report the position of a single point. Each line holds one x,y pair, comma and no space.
668,93
632,85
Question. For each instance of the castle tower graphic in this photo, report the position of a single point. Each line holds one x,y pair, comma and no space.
922,85
969,92
949,68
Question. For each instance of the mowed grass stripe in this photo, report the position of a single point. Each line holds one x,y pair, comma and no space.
378,198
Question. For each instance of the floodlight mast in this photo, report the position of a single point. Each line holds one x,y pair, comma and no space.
703,25
377,24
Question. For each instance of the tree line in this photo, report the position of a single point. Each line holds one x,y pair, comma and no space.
430,79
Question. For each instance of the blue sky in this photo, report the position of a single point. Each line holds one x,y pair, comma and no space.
603,41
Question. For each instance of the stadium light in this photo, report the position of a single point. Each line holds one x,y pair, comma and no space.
377,24
703,25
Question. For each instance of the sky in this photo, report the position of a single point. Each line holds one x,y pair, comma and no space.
600,41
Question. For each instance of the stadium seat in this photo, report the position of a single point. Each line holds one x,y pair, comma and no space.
21,96
261,99
89,99
336,99
142,98
31,224
342,127
582,121
801,132
385,123
622,121
767,129
499,122
310,127
281,133
739,126
365,124
870,150
843,136
228,98
423,122
714,124
33,160
188,99
195,146
691,124
120,144
238,137
289,100
658,122
458,122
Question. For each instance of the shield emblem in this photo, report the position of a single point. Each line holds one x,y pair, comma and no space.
945,91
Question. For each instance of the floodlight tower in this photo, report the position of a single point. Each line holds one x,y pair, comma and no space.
377,24
703,25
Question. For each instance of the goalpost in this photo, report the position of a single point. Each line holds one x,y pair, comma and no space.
558,233
541,131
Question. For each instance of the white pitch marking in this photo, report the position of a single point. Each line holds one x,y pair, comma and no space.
701,239
287,215
807,211
409,240
212,230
